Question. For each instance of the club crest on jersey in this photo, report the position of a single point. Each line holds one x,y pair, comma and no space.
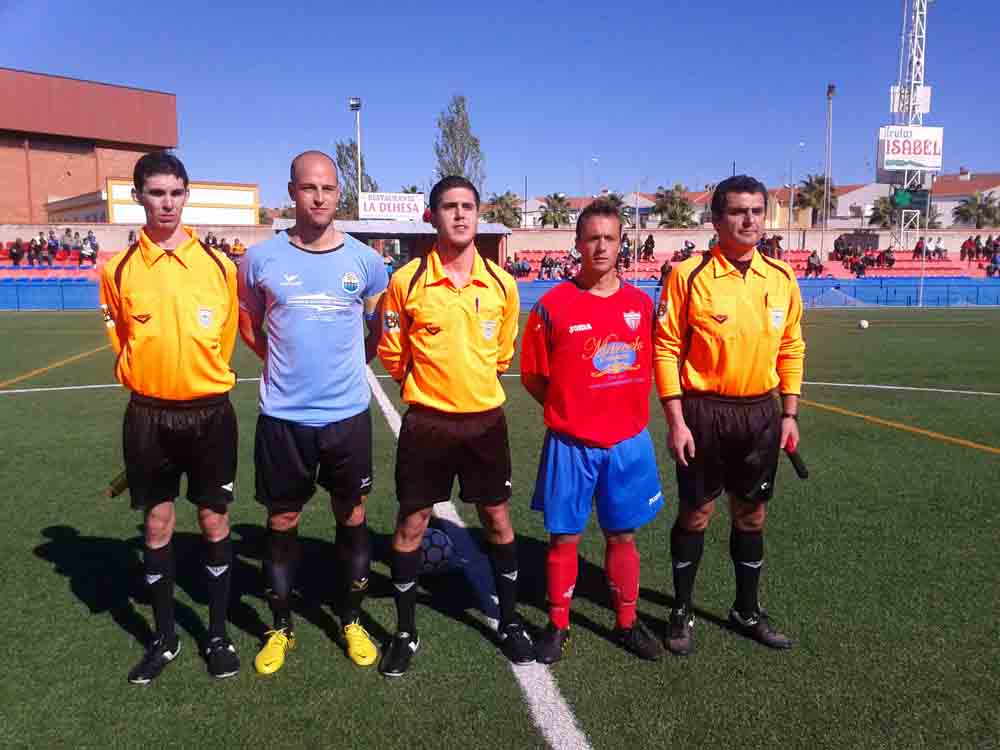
392,321
350,282
489,328
205,317
632,318
663,310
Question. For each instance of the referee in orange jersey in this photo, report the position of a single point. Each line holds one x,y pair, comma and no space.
728,339
170,310
449,326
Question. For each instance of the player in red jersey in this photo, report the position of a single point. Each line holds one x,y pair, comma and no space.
587,358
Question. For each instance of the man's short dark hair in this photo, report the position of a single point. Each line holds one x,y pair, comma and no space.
158,162
449,183
741,183
598,208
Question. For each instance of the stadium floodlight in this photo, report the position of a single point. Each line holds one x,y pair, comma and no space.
354,104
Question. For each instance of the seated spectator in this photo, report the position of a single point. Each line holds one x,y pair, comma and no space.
508,266
919,249
387,260
814,265
67,240
858,268
77,243
93,240
17,251
239,249
776,249
132,238
52,243
46,251
33,250
87,252
977,251
649,248
226,249
889,258
939,252
993,269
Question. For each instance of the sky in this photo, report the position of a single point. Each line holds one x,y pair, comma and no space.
572,97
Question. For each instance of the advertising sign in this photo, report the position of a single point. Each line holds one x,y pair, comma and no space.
392,206
910,147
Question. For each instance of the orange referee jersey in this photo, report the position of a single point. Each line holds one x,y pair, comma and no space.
445,344
171,319
720,332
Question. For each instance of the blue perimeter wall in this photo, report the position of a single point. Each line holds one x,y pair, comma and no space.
72,294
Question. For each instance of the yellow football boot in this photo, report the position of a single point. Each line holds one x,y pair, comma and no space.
360,647
272,656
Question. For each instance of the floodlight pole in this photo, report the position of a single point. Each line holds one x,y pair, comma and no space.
355,105
827,193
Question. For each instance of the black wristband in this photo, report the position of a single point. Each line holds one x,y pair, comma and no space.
786,415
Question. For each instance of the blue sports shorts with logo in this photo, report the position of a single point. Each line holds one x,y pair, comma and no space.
623,479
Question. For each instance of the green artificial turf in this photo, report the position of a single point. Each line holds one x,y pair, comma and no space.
882,566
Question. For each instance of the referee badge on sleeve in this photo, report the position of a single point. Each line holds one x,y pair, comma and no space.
777,317
663,310
205,317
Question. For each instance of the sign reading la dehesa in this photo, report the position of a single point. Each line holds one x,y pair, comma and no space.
392,206
914,148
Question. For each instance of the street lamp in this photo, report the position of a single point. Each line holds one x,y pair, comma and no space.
354,104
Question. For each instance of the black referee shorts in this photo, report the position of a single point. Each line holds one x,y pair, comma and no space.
164,439
736,448
435,447
291,458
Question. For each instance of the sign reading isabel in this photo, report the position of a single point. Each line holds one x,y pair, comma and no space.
392,206
905,147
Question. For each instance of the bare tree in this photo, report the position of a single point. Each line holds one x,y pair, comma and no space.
347,167
457,149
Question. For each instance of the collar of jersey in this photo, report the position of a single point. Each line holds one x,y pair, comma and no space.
436,275
151,252
722,266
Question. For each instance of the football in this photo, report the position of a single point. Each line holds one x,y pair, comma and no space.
862,324
438,551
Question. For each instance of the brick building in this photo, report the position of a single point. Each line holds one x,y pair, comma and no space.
61,137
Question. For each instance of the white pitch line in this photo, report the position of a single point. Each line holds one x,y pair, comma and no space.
900,388
549,709
870,386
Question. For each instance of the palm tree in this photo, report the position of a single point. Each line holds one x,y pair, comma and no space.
883,213
555,211
617,201
504,209
977,209
673,208
812,195
410,189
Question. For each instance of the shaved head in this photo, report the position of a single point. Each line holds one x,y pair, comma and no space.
310,157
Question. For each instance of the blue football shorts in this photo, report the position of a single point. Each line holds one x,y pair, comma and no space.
623,479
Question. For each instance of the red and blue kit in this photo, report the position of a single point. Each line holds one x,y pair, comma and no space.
597,355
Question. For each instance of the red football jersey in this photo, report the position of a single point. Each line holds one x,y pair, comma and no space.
597,354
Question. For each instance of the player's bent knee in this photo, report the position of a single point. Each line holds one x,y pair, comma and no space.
496,523
410,528
695,520
283,521
349,513
625,536
214,524
748,516
159,524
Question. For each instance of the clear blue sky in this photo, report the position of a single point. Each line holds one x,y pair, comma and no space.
660,91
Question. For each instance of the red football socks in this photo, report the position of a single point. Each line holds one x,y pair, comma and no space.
561,566
621,563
